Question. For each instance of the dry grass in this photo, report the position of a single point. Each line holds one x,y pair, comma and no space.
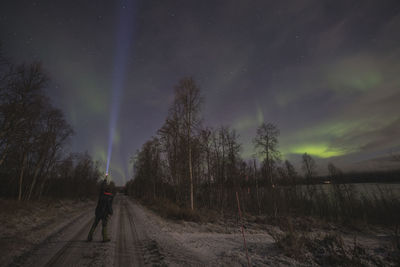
329,248
168,209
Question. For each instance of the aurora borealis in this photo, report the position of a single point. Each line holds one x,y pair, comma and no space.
325,72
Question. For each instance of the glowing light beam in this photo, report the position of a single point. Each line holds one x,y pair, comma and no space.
124,41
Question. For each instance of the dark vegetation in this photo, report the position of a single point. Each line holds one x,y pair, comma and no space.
33,137
384,176
188,166
325,250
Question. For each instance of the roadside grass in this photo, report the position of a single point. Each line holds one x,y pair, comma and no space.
325,249
169,210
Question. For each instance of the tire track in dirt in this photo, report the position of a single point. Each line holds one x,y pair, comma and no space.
128,250
151,251
61,256
136,242
69,246
122,256
27,258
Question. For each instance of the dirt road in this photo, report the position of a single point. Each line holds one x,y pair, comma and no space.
134,242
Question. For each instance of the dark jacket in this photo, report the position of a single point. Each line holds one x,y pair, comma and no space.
104,205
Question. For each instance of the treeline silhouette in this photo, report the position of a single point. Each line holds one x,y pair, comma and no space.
188,167
353,177
33,138
378,176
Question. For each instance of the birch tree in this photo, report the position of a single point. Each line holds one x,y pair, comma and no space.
188,101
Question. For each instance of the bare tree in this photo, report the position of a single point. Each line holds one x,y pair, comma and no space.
205,136
188,100
334,172
291,172
171,140
53,133
32,131
266,142
308,166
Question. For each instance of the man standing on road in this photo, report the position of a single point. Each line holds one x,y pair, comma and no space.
103,211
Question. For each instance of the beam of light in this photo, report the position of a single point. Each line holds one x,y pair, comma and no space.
124,41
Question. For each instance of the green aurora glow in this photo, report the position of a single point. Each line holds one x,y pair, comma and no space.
318,150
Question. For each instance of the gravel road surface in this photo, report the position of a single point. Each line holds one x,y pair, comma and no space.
135,241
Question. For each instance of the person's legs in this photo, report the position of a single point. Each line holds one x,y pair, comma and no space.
90,235
104,230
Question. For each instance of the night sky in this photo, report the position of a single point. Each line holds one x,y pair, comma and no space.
327,73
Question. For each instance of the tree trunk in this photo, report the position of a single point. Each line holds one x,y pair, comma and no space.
257,195
3,157
21,175
35,176
191,177
209,178
189,135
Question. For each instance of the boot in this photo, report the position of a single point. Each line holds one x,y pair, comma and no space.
105,236
90,235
